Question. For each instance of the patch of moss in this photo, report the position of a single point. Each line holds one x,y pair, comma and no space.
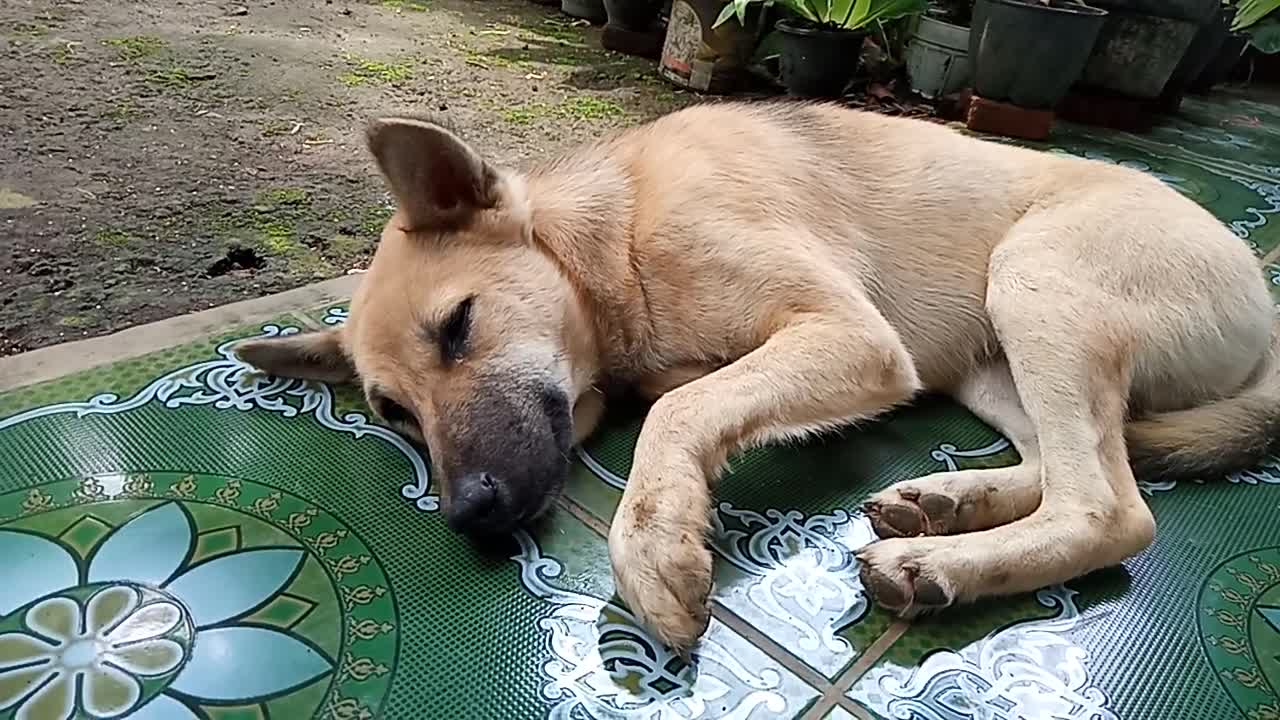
173,77
373,72
75,322
401,5
491,60
132,49
122,111
277,128
526,114
28,30
112,238
64,55
347,246
585,107
582,107
374,221
554,29
278,237
283,196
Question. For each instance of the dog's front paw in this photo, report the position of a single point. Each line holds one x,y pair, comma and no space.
663,572
898,577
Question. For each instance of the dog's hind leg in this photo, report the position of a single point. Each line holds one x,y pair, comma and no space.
1070,347
965,500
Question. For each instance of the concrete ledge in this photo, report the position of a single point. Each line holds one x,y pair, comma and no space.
52,362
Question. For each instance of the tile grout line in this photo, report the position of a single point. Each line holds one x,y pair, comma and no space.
599,526
1271,256
730,619
855,709
871,656
835,695
772,649
306,320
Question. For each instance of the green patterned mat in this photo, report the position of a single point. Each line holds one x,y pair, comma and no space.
183,539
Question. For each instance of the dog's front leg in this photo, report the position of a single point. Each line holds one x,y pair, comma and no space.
816,371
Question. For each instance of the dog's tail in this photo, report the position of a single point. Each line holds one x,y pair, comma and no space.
1211,440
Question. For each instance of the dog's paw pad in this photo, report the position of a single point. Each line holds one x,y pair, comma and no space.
901,587
905,512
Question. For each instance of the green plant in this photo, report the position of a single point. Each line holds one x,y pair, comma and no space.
1252,12
1260,19
832,14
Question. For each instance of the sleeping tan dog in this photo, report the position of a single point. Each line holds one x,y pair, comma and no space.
768,271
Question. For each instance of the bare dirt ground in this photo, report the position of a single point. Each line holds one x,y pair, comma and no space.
158,158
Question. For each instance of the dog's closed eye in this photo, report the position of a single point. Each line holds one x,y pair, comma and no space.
393,412
456,330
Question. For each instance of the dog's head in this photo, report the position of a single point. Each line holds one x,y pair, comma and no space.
463,334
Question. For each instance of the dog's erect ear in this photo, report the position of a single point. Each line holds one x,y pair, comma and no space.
309,356
437,179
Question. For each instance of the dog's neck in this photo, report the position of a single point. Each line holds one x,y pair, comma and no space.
582,214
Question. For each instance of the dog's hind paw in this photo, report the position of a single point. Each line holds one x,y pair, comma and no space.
903,511
900,584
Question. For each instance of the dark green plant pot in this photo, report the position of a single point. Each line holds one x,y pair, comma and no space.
1220,67
1135,55
1197,11
632,15
1030,54
592,10
1204,48
815,61
634,27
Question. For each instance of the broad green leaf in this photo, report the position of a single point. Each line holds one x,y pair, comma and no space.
1251,12
894,9
727,13
841,11
1266,36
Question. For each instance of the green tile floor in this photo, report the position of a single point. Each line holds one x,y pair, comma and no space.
183,539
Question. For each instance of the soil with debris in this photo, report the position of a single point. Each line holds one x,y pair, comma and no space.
162,158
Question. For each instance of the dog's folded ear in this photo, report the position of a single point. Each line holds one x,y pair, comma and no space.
437,179
309,356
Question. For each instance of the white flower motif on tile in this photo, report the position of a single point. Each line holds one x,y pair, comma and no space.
105,648
141,623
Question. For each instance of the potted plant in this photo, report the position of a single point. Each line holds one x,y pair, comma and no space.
1030,52
705,56
1260,19
1204,48
1255,20
1141,44
635,27
938,51
820,43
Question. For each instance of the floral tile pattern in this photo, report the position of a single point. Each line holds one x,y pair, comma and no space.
216,543
184,538
787,522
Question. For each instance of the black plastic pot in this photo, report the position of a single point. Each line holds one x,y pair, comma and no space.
1228,56
1204,48
592,10
816,61
632,15
1196,11
1030,54
634,27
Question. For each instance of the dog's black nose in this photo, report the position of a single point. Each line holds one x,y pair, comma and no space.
475,506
